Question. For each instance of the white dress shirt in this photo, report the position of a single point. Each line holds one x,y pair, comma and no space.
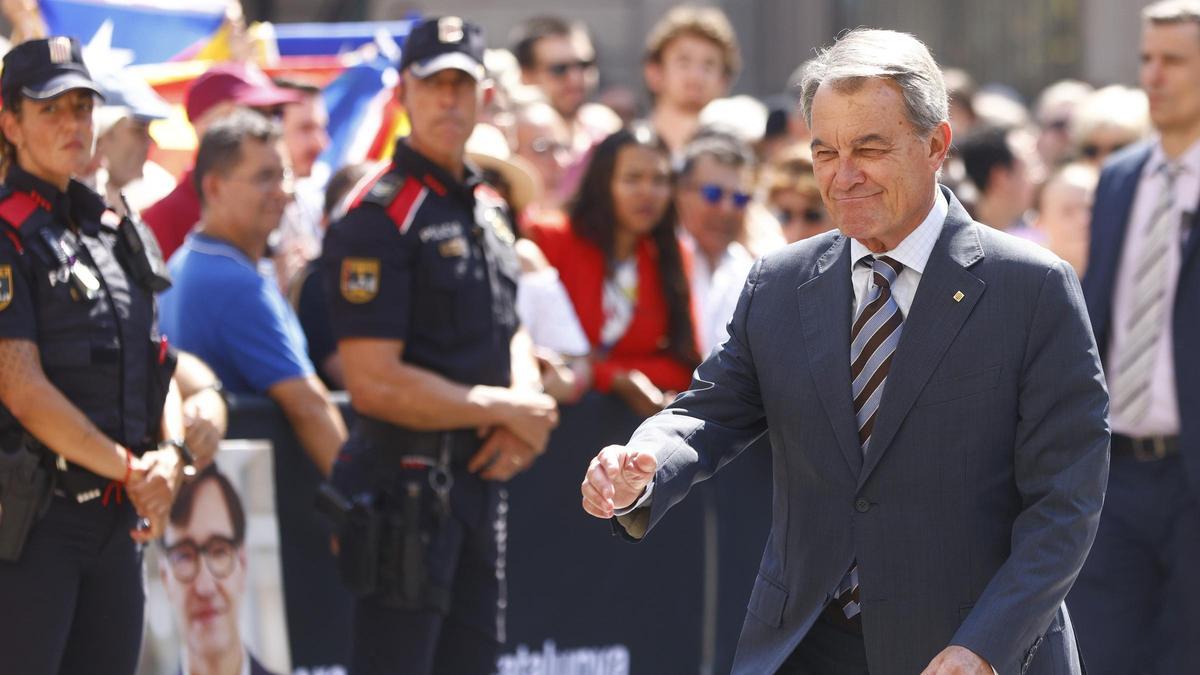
1162,417
715,290
913,252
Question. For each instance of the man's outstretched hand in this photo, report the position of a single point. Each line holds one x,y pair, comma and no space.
616,479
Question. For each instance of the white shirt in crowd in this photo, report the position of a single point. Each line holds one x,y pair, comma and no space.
715,290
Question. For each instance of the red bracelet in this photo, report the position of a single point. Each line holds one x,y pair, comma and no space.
128,465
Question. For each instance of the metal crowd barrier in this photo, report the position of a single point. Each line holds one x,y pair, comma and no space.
580,600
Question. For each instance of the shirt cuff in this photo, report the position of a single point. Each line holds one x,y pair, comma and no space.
642,501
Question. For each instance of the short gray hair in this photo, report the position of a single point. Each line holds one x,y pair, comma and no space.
1172,11
864,54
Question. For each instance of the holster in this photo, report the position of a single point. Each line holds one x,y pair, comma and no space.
385,541
26,487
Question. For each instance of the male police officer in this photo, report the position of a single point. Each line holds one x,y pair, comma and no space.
421,280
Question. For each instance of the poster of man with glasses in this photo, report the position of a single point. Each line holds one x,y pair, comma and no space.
203,568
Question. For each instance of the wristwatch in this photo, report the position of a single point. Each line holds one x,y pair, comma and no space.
185,456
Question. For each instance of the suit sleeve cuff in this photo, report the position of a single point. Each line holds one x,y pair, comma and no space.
641,501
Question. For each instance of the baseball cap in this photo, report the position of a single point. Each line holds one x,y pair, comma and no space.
237,83
441,43
122,89
44,68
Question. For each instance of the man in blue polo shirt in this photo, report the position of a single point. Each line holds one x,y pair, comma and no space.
223,308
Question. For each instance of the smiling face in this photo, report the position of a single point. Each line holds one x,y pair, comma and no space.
876,172
714,225
206,606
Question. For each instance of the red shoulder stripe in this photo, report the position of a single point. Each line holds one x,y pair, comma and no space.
17,208
406,204
435,185
364,185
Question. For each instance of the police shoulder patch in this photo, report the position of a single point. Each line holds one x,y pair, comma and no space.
6,286
360,279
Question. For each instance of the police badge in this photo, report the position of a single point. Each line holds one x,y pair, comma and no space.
6,286
360,279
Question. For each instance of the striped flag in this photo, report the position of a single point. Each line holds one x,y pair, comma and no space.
363,116
154,30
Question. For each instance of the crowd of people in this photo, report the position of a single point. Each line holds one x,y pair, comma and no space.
529,244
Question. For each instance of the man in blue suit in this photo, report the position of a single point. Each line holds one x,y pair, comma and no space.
934,401
1138,596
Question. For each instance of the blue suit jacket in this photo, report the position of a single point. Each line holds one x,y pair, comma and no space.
976,505
1110,220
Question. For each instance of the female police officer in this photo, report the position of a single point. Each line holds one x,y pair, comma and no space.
83,381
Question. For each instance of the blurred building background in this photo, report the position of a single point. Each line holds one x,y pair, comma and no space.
1025,44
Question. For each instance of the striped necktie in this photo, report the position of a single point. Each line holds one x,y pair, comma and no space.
1131,386
873,340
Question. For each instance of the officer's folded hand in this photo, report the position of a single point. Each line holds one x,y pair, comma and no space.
616,479
502,456
152,485
531,417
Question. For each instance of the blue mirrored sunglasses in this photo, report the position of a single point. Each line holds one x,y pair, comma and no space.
713,194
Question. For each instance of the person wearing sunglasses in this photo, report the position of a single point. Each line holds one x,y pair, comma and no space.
558,61
715,178
1108,120
1055,112
202,565
556,57
794,197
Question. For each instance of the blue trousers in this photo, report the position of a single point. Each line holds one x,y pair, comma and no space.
1136,604
73,603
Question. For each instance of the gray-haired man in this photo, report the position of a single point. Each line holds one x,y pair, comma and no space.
934,402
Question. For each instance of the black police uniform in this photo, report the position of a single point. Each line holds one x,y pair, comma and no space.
428,260
72,284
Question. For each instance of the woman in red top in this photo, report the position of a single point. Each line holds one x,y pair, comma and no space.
621,264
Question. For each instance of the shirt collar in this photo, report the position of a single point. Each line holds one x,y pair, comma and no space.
79,203
914,251
419,166
210,245
244,670
1189,160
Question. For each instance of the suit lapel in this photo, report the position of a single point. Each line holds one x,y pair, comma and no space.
1109,226
825,305
933,321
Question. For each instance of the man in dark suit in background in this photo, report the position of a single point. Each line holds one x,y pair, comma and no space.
1138,597
934,402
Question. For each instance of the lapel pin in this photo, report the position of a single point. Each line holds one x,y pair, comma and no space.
958,296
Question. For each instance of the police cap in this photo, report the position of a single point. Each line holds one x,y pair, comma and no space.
440,43
44,68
